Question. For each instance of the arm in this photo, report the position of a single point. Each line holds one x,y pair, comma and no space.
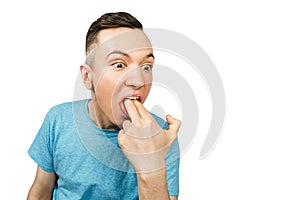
145,145
43,185
154,185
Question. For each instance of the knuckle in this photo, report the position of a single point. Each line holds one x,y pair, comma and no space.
139,124
172,136
147,122
179,122
122,139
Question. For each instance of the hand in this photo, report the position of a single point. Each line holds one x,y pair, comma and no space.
143,141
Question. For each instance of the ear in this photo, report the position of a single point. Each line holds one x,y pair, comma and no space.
86,74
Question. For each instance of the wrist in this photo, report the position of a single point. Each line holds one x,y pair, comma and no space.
157,177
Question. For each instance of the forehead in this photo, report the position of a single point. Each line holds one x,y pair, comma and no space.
122,39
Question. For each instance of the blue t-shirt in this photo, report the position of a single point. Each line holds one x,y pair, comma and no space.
88,160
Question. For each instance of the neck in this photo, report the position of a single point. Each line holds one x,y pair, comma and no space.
99,117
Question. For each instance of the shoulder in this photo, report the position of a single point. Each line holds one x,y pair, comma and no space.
64,112
66,108
61,107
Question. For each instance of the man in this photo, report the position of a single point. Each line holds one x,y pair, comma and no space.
109,146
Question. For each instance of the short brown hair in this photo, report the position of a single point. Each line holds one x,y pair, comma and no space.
110,20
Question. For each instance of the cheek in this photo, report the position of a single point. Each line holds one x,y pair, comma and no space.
147,90
104,86
107,87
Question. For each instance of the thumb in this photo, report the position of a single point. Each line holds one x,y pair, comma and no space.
121,138
174,124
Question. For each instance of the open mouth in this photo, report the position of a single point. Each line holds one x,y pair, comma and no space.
123,108
134,98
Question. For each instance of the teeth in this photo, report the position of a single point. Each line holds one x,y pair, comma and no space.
133,98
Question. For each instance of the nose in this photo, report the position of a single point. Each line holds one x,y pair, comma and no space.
135,79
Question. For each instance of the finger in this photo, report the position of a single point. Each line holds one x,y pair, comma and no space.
132,111
126,125
141,109
174,124
121,138
130,129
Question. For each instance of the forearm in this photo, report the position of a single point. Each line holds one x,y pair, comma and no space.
43,185
36,193
153,185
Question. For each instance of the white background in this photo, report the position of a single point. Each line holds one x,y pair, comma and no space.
255,46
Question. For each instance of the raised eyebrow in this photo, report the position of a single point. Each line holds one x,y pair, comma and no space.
150,55
121,53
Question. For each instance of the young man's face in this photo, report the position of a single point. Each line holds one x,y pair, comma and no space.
122,68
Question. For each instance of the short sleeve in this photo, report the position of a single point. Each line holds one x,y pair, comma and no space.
40,150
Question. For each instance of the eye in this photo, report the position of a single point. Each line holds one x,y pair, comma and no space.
118,65
147,67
